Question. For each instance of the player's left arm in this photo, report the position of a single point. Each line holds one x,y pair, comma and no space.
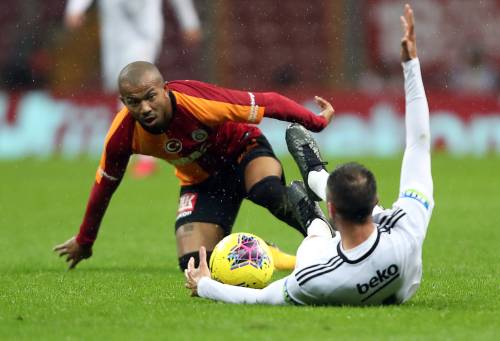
199,282
282,108
214,105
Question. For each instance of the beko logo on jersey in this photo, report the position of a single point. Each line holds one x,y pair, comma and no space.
383,276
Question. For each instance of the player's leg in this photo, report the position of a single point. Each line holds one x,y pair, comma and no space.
191,236
305,152
300,210
264,182
206,214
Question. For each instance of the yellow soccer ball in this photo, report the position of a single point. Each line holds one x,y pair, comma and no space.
242,259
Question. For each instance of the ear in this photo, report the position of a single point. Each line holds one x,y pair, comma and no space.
331,209
123,100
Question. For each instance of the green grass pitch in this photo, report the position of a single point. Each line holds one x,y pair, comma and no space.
131,287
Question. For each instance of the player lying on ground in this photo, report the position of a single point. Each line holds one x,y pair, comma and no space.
374,259
220,157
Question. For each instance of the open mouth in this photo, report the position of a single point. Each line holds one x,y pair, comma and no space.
148,120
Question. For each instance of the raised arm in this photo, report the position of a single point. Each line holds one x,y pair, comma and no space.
416,186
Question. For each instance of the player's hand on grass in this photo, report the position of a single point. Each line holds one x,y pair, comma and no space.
73,251
193,275
409,41
327,110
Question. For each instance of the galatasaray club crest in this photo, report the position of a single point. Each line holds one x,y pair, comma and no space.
173,146
199,135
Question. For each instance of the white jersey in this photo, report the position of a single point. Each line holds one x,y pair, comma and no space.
385,269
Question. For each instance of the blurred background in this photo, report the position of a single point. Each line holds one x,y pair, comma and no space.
52,101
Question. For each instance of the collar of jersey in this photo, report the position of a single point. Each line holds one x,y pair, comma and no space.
364,249
173,101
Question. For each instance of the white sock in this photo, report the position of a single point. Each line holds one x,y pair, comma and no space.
317,182
318,228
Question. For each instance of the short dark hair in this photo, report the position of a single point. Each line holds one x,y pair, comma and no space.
352,189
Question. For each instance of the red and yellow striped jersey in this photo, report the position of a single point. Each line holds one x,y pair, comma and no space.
209,129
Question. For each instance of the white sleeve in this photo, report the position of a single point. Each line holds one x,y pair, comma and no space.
74,7
186,13
273,294
416,186
319,228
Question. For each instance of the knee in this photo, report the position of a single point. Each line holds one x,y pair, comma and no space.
268,192
184,259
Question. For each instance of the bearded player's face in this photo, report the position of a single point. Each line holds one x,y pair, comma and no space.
148,103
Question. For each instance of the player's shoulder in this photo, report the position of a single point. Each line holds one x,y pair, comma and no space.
394,227
197,90
121,130
123,122
190,87
122,117
387,219
314,252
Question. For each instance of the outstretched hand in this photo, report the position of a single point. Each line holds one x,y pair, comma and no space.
73,251
326,107
409,40
193,275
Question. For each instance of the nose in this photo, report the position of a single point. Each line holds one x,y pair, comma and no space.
145,108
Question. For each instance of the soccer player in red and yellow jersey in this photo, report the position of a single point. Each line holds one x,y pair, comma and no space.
208,134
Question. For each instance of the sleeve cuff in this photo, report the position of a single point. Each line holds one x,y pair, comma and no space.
84,240
203,283
411,63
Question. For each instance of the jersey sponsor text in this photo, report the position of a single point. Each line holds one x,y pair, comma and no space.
388,274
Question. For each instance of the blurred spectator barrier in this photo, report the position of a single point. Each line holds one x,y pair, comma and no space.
40,125
446,30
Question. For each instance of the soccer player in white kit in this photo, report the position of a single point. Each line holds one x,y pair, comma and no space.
131,30
376,257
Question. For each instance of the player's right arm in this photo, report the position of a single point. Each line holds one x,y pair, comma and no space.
114,160
199,282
